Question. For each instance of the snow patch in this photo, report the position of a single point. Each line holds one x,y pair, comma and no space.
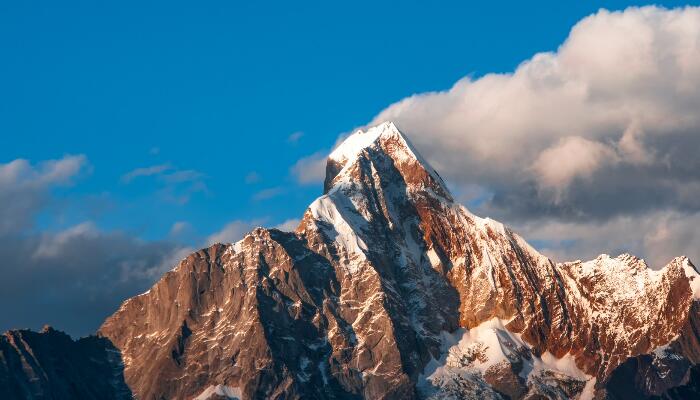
345,223
230,392
355,143
565,365
588,392
238,246
433,258
468,354
350,149
693,279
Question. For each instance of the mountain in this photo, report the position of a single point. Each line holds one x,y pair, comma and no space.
389,289
50,365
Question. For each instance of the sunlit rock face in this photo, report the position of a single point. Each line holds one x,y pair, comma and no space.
389,289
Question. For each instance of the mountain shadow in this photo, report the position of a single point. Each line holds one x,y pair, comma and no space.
51,365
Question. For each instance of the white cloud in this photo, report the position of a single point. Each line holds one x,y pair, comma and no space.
587,149
24,188
573,157
20,172
150,271
51,244
658,236
310,169
76,277
178,228
289,225
232,232
624,86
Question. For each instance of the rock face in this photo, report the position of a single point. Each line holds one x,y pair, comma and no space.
389,289
49,365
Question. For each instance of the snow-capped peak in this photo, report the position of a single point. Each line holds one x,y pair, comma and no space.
385,138
382,266
351,147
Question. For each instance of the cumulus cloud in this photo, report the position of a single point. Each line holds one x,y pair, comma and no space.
24,187
76,277
572,157
310,169
619,97
657,236
72,277
600,133
52,244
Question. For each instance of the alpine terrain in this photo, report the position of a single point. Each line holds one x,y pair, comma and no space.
388,289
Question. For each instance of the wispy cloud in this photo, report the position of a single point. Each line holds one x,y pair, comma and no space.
145,171
187,175
25,188
73,277
178,185
252,177
178,228
268,193
295,137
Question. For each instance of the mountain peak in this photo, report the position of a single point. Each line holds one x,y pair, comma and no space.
388,140
353,145
359,300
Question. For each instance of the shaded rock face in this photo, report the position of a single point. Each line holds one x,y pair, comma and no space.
669,372
50,365
389,289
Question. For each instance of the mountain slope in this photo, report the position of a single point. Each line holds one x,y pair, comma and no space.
390,289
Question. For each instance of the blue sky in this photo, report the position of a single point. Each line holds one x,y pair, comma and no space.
218,89
176,120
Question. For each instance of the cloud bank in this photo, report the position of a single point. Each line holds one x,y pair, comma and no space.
71,278
604,130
